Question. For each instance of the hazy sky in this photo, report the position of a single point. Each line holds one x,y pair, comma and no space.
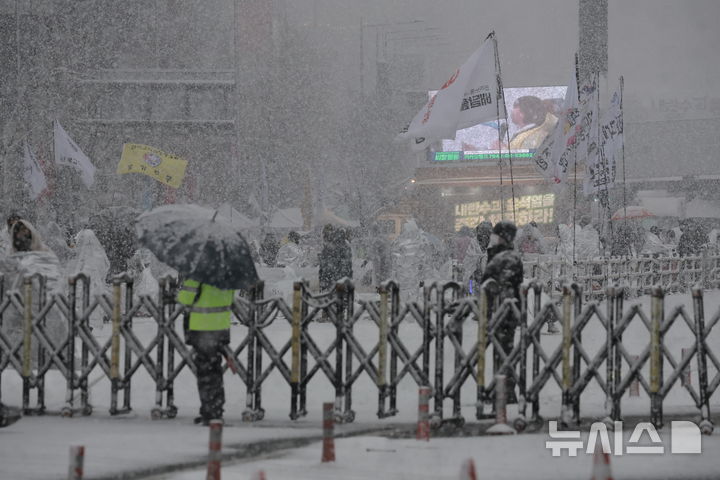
667,50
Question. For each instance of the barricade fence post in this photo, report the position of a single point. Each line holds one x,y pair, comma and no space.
500,399
77,459
115,348
566,344
214,450
394,331
609,333
520,423
501,426
617,360
27,342
295,346
249,414
482,345
439,353
578,292
303,355
657,316
382,351
127,360
67,410
328,447
537,290
706,425
339,350
423,426
346,318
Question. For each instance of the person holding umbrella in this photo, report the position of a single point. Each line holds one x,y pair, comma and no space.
208,332
214,260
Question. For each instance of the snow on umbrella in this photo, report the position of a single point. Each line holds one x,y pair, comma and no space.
632,212
199,244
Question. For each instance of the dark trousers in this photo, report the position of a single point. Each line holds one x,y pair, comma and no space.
207,356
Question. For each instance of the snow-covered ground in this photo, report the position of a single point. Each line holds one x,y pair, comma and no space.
38,447
497,458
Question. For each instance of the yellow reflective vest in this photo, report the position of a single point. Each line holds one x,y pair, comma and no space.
211,311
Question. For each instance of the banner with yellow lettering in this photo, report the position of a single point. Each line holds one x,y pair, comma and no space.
163,167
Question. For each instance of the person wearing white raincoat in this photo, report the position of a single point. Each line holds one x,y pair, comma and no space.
30,257
414,256
90,259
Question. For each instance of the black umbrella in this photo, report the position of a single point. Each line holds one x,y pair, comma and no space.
199,244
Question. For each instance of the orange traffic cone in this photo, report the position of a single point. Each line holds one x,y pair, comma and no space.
468,470
601,465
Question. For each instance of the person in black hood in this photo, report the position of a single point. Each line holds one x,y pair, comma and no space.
505,267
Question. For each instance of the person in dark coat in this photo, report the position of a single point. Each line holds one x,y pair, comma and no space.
692,238
379,254
623,240
505,267
269,250
207,329
335,258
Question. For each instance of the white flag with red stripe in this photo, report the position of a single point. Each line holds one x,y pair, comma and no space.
469,97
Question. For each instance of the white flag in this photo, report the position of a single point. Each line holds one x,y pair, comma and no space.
601,169
68,153
468,97
586,129
552,157
34,176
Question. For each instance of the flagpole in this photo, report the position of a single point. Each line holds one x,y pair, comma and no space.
622,85
501,96
498,96
574,219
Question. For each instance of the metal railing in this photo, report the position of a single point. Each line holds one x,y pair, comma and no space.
637,274
446,341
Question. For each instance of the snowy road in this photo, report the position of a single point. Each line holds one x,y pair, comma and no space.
497,458
36,448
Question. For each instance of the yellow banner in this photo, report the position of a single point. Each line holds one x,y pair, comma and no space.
163,167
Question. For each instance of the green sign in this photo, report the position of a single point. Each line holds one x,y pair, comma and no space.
467,156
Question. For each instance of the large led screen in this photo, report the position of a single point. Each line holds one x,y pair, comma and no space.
532,115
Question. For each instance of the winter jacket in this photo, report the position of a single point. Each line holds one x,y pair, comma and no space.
209,306
692,240
506,268
335,261
533,136
269,250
